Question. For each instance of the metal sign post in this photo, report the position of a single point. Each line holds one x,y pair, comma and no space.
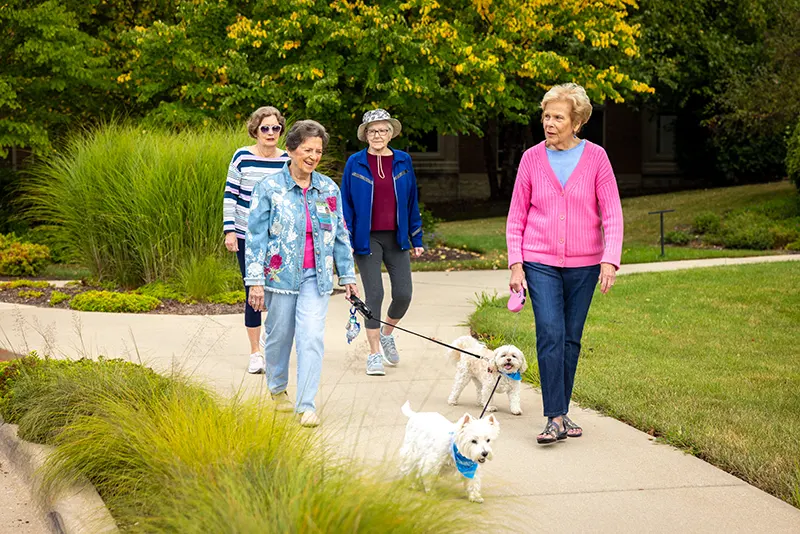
661,214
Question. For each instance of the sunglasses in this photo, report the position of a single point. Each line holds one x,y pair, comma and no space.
270,128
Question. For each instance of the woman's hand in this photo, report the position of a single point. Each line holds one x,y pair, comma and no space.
418,251
256,299
232,242
517,278
608,275
350,290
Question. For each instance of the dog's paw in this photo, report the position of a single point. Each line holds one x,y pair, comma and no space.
476,499
491,408
452,402
517,412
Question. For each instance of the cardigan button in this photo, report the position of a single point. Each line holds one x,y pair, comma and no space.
560,239
562,217
562,193
560,260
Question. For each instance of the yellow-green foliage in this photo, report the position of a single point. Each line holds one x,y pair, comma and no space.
109,301
229,297
21,259
28,294
169,456
57,297
14,284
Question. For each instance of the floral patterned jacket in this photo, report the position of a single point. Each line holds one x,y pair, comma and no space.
276,234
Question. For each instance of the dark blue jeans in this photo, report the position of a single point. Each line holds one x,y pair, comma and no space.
561,297
252,318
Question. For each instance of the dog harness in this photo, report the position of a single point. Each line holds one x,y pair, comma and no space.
465,466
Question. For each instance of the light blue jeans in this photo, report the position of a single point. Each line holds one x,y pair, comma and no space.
299,319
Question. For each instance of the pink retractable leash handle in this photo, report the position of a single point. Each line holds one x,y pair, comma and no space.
516,301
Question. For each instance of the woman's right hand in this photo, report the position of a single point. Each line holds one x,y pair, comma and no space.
256,299
517,281
232,242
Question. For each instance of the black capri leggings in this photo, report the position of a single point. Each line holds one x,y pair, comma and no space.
252,318
384,249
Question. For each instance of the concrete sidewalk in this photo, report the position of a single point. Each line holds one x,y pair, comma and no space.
614,479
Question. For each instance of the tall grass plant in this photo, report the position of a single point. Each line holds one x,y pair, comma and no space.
169,456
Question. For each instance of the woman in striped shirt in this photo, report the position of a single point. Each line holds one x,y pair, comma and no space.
564,234
249,166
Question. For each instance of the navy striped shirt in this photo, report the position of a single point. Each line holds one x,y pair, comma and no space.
244,172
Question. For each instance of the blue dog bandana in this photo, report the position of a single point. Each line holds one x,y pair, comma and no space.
464,465
515,376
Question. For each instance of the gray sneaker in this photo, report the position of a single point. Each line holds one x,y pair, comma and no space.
375,365
390,354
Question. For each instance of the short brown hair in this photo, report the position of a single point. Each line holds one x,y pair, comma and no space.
259,115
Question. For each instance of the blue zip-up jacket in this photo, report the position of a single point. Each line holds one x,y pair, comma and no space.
357,193
276,234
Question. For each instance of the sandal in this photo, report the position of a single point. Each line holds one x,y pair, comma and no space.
551,433
573,430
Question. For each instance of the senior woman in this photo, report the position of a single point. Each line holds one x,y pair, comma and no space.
564,235
295,236
249,166
379,193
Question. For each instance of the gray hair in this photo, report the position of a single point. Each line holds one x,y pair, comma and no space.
302,130
259,115
576,96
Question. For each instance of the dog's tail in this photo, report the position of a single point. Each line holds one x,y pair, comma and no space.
406,409
466,343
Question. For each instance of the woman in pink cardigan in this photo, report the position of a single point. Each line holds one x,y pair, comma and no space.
564,234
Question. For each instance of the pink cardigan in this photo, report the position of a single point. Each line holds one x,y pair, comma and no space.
561,226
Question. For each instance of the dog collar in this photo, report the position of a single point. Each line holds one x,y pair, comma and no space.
515,376
465,466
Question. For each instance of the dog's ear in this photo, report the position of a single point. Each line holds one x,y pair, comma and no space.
493,421
524,366
465,420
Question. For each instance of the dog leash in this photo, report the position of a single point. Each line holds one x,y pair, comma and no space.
364,310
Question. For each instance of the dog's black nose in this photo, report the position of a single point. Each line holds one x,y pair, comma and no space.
484,453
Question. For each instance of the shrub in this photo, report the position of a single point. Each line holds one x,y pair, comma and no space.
677,237
429,224
57,297
793,156
161,291
794,246
14,284
198,279
108,301
21,259
707,223
229,297
745,232
29,294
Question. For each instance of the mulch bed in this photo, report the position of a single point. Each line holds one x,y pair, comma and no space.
168,306
446,254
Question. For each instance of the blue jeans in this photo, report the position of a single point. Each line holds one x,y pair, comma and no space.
299,319
560,297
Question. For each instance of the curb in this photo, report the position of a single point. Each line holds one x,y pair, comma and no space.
77,509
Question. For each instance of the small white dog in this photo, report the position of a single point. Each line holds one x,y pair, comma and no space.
434,445
507,360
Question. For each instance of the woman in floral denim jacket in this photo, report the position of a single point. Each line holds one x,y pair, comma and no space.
295,235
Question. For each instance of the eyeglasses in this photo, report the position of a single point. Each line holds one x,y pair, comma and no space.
271,128
381,132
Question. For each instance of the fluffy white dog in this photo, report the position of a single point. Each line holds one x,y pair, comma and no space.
507,360
433,445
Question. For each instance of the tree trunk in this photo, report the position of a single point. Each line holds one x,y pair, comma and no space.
490,157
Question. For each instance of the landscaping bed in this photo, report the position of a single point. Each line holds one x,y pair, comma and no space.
704,359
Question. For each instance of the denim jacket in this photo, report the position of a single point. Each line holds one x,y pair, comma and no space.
276,234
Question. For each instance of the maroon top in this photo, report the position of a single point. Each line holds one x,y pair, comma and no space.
384,202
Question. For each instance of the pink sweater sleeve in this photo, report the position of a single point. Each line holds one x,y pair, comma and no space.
518,211
611,211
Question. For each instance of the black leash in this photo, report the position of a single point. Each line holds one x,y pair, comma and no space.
364,310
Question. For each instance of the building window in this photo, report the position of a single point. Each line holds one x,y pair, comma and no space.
665,135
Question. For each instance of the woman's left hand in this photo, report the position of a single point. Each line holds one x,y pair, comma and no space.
418,251
350,290
608,275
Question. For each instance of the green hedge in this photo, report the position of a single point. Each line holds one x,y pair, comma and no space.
109,301
793,156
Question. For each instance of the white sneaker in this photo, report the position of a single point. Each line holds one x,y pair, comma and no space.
256,364
309,419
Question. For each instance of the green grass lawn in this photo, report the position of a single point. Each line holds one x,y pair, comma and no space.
642,233
707,359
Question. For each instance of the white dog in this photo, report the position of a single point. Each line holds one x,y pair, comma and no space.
434,445
507,360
